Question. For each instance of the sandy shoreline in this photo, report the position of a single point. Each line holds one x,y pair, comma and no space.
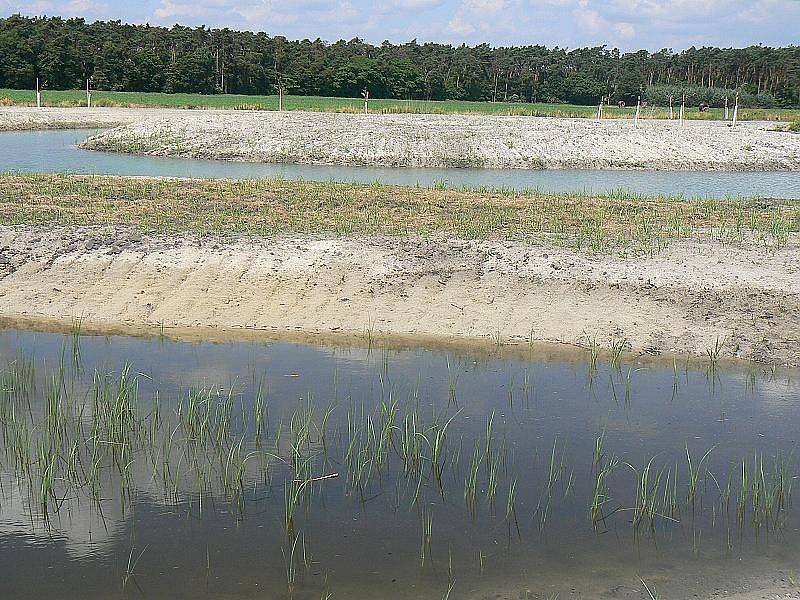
22,118
444,141
434,141
680,301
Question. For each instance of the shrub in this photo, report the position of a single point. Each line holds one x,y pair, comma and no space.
714,96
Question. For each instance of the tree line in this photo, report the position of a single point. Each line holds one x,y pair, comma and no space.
64,53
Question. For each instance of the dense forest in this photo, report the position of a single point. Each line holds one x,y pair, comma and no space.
63,54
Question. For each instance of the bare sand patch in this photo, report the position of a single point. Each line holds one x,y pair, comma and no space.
455,141
422,140
681,300
20,118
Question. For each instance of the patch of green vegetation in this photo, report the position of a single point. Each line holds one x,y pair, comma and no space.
73,452
624,223
75,98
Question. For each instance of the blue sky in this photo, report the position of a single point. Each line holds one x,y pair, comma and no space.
627,24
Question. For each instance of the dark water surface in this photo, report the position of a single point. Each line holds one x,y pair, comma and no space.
191,498
56,152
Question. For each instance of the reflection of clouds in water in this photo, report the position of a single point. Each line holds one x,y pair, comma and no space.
174,367
288,371
87,532
774,393
84,532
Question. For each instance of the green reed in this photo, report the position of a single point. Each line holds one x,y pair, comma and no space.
693,472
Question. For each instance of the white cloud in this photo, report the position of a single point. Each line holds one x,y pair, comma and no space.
625,30
589,20
418,4
479,6
293,18
68,8
480,20
460,27
39,6
169,9
79,6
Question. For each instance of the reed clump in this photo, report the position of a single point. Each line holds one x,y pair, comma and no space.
72,435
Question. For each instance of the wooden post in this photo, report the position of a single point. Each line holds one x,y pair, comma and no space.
735,111
365,93
726,108
671,111
638,110
683,108
280,97
88,95
38,95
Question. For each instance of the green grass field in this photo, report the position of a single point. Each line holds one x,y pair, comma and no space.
326,104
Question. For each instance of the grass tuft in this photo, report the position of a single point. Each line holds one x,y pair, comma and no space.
614,223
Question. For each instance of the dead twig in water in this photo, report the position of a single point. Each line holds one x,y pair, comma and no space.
314,479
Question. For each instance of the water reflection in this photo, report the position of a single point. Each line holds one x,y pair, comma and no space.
259,469
84,533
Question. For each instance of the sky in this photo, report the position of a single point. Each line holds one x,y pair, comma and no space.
625,24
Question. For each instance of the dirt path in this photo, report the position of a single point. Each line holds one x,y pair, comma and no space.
682,300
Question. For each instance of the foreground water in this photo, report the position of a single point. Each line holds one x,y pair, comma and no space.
133,467
57,152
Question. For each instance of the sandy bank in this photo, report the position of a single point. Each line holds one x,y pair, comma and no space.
681,300
409,140
19,118
456,141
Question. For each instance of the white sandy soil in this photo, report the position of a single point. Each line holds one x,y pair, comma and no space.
20,118
682,300
423,140
457,141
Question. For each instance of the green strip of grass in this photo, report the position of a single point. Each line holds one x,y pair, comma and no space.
67,98
610,223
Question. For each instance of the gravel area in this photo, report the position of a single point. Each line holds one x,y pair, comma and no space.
456,141
21,118
423,140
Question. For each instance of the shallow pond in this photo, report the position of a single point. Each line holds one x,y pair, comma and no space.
56,152
145,467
